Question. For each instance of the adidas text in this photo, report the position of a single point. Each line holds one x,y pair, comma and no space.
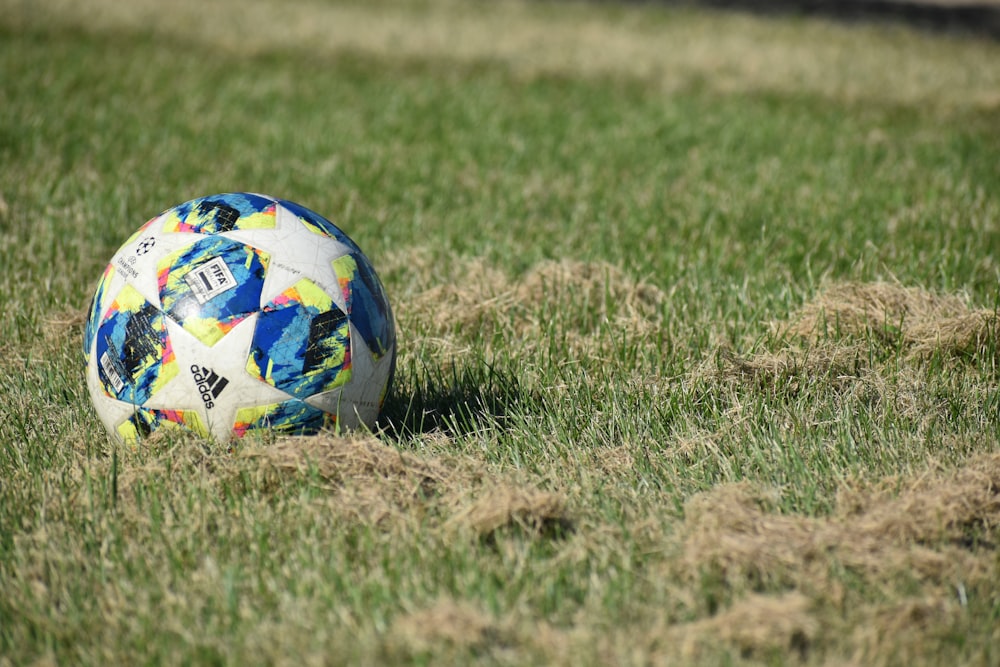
210,384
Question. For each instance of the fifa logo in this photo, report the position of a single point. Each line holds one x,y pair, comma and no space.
210,279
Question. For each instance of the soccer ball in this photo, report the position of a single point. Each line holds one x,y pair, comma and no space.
237,312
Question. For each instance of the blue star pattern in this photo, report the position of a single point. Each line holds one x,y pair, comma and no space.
301,343
212,285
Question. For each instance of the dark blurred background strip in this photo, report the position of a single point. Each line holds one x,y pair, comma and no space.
977,18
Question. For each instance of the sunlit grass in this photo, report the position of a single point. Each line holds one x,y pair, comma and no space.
697,320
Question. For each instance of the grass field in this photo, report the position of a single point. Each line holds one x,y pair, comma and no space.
698,337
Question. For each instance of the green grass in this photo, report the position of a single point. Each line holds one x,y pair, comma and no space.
594,255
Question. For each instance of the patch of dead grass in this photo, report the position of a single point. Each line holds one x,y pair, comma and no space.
792,367
870,343
895,315
472,299
937,529
900,632
376,474
595,284
360,460
618,460
446,622
365,481
578,302
64,324
755,626
57,332
831,336
529,509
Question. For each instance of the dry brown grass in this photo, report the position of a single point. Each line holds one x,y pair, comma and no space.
928,532
68,322
58,331
869,342
368,482
578,302
447,621
904,632
478,295
923,322
365,481
754,625
792,367
841,586
359,459
529,509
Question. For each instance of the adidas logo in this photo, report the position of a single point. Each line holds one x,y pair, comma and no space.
210,384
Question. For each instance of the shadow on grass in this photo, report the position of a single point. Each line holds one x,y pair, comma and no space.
972,17
454,401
